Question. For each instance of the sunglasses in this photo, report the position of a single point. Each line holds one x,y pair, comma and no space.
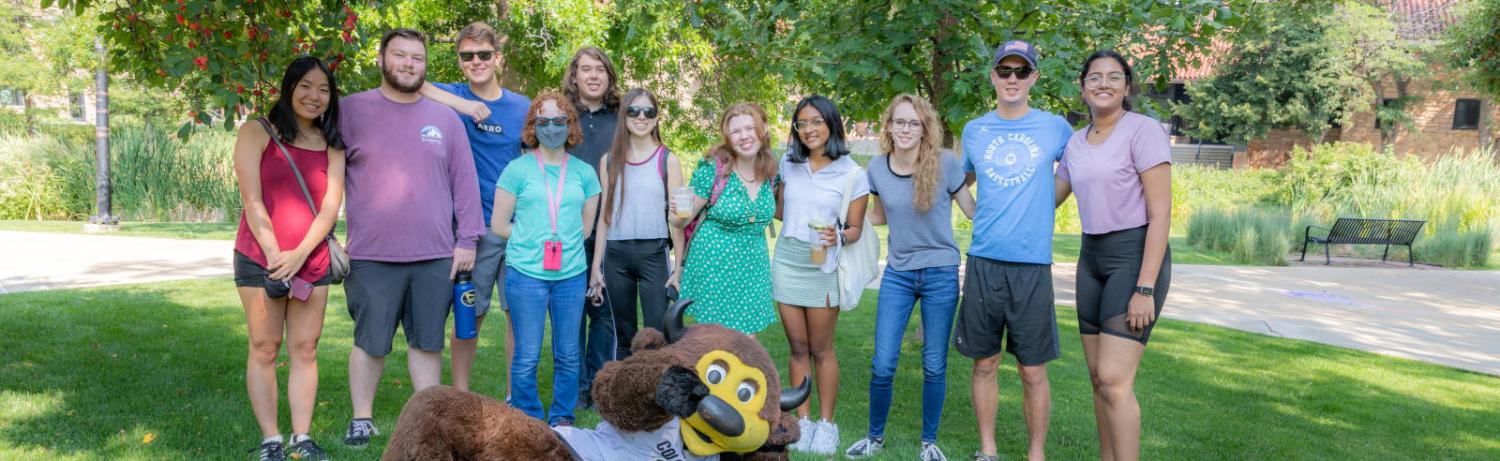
637,111
467,56
558,121
1021,73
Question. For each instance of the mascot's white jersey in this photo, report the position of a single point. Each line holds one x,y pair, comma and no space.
605,443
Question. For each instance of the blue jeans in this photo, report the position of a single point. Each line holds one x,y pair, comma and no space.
530,300
937,288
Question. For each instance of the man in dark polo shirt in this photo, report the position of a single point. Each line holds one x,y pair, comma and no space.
590,83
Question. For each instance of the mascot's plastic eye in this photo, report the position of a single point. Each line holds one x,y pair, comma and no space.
715,373
745,392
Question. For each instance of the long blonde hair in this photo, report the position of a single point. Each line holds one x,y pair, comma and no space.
929,163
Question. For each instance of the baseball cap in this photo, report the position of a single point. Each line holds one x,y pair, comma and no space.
1015,48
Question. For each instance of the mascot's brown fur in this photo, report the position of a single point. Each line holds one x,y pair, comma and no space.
657,383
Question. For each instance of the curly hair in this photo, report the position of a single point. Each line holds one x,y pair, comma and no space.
929,162
765,161
528,131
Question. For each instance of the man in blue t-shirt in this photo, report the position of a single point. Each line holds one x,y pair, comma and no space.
1007,301
493,117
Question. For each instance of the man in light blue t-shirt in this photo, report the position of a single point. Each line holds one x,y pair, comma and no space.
493,117
1007,301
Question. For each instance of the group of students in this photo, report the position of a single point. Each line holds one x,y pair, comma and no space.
426,166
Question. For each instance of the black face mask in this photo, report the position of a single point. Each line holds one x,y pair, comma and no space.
277,289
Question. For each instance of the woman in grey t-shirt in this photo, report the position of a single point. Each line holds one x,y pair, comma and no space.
916,184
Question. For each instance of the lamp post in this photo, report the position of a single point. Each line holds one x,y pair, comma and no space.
103,219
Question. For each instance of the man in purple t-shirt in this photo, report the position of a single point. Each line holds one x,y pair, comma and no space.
414,220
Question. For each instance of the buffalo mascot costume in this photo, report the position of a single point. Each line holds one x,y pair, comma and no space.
702,392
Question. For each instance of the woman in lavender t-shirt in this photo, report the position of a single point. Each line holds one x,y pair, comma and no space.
1120,168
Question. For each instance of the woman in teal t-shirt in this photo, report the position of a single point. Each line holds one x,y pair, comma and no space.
552,197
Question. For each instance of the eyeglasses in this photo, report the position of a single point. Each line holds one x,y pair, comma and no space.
1021,73
637,111
558,121
803,125
1096,80
467,56
902,124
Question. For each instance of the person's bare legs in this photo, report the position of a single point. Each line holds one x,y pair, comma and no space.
424,367
463,353
821,324
799,359
304,325
1101,420
1114,385
1036,393
264,322
984,392
364,377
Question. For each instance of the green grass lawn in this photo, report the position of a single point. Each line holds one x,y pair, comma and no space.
93,374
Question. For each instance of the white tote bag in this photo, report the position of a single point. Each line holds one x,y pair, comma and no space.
859,261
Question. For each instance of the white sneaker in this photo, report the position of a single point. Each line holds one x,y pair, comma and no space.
826,441
807,428
864,448
930,452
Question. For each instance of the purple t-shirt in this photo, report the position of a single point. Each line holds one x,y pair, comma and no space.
1106,177
410,180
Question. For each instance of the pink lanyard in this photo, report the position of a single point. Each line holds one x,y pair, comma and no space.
562,177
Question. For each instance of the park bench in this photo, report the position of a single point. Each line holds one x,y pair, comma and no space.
1360,231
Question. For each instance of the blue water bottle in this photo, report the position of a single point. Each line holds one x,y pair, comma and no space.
463,307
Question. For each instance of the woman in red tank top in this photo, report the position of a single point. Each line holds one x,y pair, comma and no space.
281,262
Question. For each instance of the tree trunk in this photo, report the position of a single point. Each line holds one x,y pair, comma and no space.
940,75
28,111
103,205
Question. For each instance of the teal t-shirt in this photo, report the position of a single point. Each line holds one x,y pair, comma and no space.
533,224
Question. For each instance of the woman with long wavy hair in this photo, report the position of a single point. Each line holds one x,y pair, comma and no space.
915,183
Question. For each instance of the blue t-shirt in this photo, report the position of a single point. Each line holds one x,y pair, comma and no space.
496,140
1012,161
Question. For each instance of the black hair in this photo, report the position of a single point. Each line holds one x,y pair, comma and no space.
284,118
1129,73
836,147
411,34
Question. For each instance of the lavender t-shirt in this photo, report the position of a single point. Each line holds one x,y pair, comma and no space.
1106,177
410,180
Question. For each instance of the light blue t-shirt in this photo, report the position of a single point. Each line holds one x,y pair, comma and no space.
1012,161
496,140
533,222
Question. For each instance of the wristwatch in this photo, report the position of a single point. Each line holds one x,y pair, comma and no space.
1145,290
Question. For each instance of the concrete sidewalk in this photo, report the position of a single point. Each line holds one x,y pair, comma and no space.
1438,316
32,261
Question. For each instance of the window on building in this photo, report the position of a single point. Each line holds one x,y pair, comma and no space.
76,103
12,97
1466,114
1386,102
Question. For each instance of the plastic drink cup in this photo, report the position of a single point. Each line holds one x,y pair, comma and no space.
683,198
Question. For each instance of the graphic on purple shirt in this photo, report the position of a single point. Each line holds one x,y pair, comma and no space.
410,180
1106,177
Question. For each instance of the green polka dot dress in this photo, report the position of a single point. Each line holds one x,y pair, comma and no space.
728,269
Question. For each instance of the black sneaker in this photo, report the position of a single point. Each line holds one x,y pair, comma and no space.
359,433
307,450
585,399
271,451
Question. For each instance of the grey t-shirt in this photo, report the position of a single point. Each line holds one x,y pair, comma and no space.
923,239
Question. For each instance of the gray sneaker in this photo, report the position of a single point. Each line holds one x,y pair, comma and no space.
359,433
307,450
271,451
980,456
864,448
930,452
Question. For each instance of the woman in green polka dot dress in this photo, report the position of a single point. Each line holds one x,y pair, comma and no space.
728,269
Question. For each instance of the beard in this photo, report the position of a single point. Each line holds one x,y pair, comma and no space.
390,77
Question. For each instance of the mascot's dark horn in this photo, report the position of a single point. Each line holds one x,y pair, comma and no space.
793,398
672,321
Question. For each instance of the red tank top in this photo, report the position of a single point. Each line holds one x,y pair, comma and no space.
290,215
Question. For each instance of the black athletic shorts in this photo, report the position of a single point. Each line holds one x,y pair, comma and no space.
1010,306
417,295
248,273
1109,267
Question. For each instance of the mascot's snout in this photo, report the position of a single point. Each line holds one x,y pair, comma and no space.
721,416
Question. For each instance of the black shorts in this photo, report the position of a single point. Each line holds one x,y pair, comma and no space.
416,294
1109,266
1009,300
248,273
